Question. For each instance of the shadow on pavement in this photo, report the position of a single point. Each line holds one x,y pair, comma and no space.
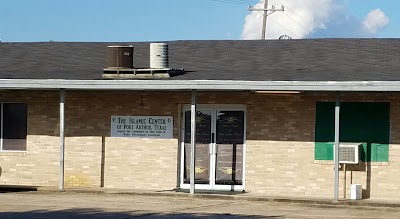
14,188
95,213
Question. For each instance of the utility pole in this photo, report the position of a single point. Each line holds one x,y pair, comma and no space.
264,25
266,13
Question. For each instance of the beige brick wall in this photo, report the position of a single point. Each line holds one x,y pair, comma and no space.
280,148
39,165
286,169
141,164
83,161
279,151
128,162
87,128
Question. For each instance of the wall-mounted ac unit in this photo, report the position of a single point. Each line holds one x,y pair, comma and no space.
349,153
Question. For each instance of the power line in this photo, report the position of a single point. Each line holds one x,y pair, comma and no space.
285,27
322,32
282,26
313,26
237,2
305,28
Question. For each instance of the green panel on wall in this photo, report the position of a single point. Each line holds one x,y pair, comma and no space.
382,152
373,156
323,150
366,123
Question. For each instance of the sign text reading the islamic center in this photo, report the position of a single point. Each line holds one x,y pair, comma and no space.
142,126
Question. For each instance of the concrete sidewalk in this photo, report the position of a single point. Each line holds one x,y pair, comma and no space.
228,196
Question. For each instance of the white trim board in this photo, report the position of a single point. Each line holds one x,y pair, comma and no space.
201,85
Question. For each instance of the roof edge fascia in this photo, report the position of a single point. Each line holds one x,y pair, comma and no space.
206,85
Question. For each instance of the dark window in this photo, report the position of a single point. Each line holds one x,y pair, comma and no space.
14,126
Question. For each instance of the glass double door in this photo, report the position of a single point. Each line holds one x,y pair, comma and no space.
220,135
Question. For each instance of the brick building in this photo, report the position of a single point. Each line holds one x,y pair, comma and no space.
265,121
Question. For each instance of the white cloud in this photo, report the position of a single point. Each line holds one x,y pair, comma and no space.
312,18
300,18
375,21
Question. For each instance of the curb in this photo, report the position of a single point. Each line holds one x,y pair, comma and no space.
316,202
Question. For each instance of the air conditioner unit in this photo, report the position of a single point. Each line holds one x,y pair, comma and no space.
349,153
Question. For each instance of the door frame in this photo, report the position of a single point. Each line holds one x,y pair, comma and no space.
214,108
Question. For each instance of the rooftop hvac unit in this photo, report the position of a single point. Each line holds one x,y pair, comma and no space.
159,55
349,153
120,57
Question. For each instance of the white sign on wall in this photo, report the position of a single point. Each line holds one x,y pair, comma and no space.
142,126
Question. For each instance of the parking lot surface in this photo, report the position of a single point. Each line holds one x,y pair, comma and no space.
76,205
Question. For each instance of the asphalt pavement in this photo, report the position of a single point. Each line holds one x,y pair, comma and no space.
63,205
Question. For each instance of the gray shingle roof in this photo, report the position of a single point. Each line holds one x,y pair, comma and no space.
286,60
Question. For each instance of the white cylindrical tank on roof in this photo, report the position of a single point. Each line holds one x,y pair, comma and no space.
159,55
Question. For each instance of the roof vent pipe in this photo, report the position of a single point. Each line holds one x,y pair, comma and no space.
159,55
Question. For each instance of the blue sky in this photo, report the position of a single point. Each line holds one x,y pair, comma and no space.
360,8
159,20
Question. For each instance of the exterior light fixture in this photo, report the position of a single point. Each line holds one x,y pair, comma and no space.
276,92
